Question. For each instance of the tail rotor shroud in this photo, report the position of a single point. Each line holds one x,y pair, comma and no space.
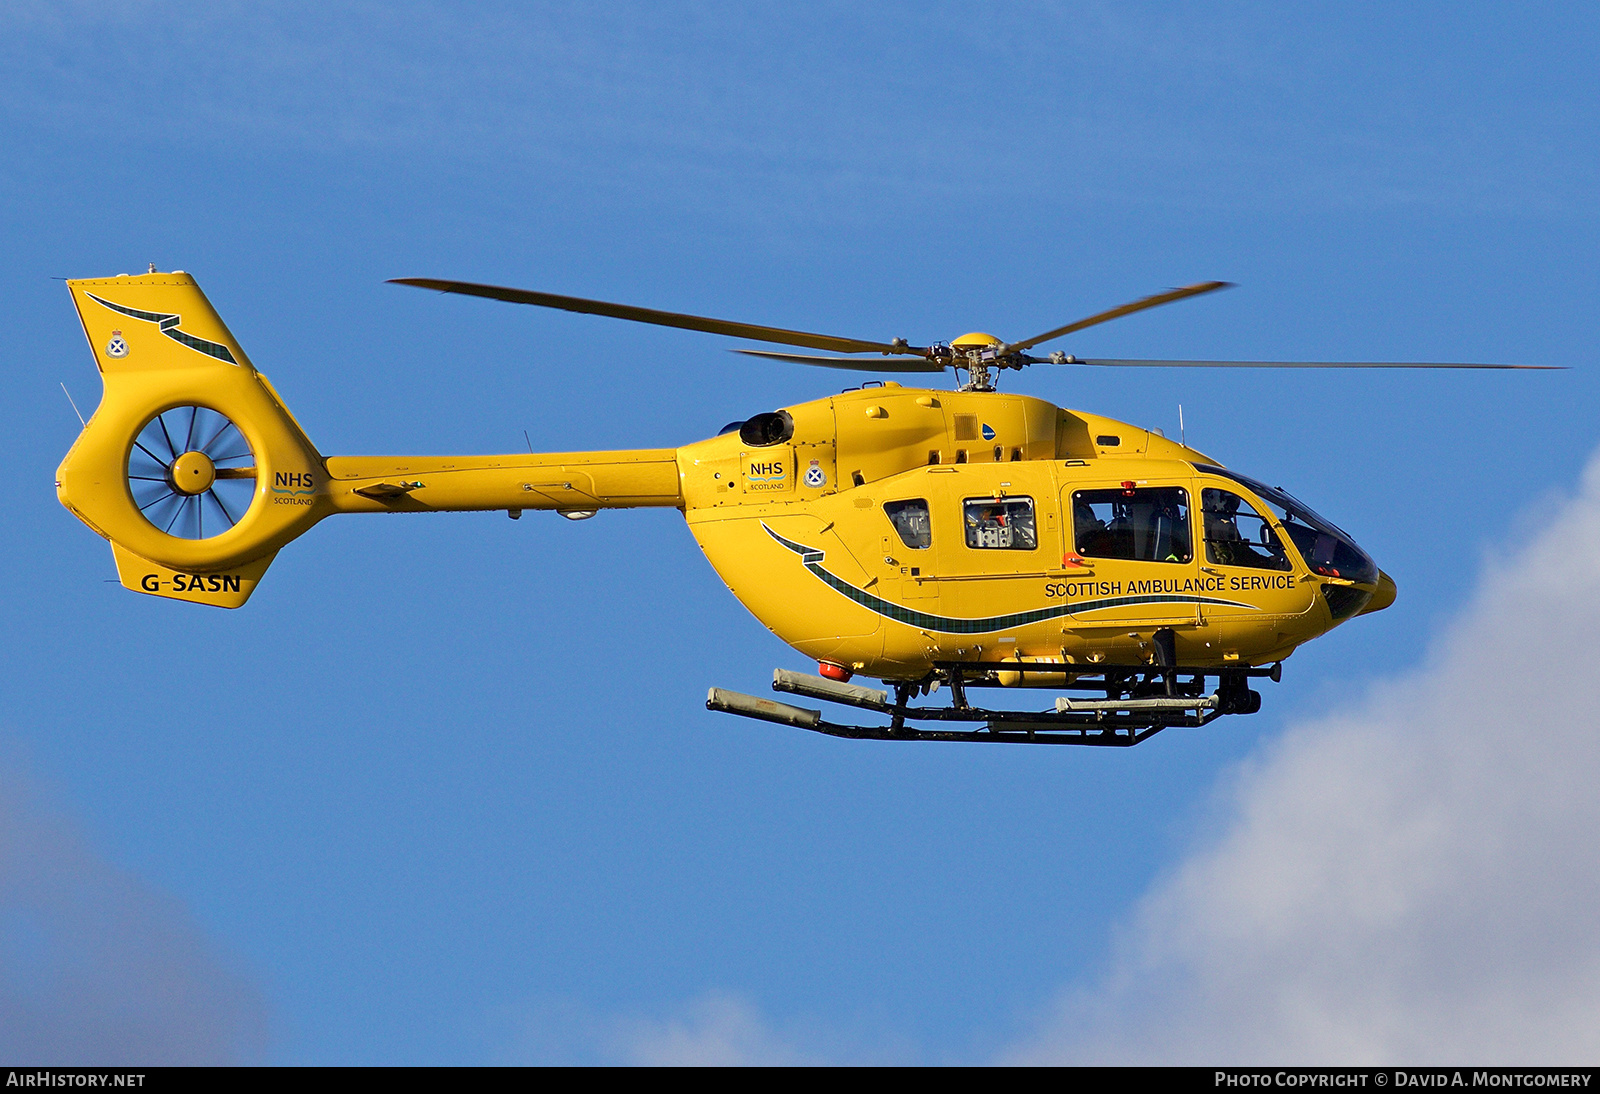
191,472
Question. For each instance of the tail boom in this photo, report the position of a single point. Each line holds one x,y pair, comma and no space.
570,481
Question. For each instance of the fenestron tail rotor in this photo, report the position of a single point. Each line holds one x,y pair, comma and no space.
191,472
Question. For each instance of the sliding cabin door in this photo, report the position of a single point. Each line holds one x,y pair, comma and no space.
1131,551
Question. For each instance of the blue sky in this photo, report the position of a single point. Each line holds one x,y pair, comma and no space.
445,790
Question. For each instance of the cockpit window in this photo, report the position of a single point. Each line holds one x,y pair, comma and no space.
1003,523
910,520
1146,524
1327,549
1237,535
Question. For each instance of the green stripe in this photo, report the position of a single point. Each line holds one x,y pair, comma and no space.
211,349
168,325
811,558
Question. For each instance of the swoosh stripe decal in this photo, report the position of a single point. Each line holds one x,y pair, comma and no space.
811,558
168,325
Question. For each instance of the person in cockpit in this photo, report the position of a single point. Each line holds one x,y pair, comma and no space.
1225,545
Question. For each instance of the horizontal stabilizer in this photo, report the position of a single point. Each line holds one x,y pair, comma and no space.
385,490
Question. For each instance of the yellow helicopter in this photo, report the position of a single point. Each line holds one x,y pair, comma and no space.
924,538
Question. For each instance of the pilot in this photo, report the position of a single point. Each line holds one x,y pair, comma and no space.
1224,543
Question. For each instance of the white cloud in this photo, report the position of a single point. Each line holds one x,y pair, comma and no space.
97,968
1413,880
717,1030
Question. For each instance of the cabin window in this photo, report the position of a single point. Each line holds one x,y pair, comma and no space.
910,520
1144,524
1237,535
1327,549
1000,523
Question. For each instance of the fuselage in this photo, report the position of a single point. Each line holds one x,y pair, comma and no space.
894,528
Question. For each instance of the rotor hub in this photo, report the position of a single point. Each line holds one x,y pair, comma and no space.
192,473
976,340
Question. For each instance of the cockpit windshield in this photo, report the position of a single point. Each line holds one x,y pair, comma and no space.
1327,549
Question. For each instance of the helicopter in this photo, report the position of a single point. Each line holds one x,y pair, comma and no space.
928,539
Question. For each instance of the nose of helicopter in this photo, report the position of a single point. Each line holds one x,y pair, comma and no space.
1383,597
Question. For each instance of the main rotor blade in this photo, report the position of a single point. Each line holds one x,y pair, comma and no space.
1129,363
864,364
661,318
1126,309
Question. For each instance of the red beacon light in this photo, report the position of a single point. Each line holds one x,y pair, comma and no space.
834,672
1127,488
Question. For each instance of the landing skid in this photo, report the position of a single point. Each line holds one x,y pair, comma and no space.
1132,704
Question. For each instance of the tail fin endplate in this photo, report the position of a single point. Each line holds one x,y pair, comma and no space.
160,346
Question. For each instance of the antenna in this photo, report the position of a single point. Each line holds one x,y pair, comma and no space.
1180,424
529,440
75,409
